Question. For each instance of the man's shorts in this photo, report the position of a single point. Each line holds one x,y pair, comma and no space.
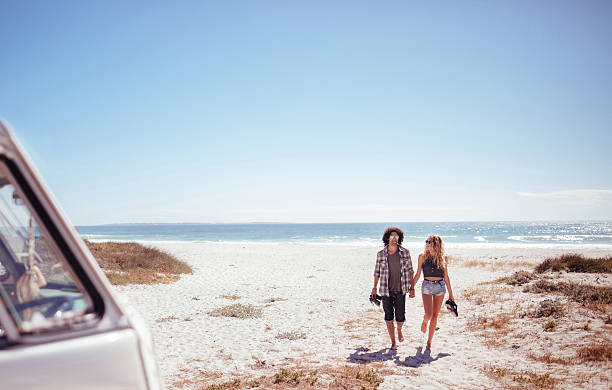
433,287
395,303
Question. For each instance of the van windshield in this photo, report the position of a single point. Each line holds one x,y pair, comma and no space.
37,285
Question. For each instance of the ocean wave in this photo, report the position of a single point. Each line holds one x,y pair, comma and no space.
94,236
561,238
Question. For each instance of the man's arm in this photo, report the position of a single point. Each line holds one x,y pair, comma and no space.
375,285
376,274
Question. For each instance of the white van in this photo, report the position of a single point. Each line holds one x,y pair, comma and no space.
60,327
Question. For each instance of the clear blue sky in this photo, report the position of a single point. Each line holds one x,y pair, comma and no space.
317,111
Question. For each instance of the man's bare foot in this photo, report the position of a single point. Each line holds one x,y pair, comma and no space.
400,336
393,347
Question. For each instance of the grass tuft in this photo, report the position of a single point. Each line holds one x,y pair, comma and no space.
237,310
132,263
573,262
581,293
549,359
232,297
474,263
235,384
518,278
541,381
295,377
550,325
299,378
293,335
595,353
548,308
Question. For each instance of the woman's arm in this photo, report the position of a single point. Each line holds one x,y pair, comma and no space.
418,273
447,281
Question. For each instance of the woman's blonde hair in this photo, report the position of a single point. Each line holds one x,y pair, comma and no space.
436,251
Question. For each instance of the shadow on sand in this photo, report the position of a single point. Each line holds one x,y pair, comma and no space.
362,355
420,358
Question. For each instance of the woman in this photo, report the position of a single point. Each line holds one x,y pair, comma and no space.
435,274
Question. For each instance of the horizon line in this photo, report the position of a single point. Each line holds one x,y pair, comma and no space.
339,222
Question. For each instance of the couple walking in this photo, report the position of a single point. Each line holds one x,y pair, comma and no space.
394,272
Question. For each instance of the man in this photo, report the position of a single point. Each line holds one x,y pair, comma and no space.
394,271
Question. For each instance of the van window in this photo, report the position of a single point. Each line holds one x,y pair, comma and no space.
37,285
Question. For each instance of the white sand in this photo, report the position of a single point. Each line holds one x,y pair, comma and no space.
320,292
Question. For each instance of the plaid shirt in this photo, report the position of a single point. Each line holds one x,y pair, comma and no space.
382,270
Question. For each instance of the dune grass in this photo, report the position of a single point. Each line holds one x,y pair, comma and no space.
517,279
573,262
346,377
581,293
595,353
292,335
133,263
237,310
231,297
524,378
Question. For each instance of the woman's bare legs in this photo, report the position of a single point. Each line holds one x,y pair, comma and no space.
437,304
428,306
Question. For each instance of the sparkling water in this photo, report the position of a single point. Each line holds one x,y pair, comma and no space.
473,233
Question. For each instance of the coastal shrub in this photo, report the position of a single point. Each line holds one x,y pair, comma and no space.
237,310
549,359
548,308
171,317
573,262
581,293
541,381
293,335
596,353
474,263
550,325
518,278
299,378
235,384
232,297
133,263
356,377
295,377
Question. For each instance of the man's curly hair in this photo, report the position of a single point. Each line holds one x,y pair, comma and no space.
390,230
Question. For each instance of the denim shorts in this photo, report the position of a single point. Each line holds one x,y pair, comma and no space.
433,287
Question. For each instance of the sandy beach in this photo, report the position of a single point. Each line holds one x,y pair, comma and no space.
315,314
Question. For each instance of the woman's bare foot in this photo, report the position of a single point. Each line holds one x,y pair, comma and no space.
428,345
423,326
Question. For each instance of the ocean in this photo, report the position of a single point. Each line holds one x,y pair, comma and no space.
566,234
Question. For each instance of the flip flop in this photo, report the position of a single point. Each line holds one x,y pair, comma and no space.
375,300
452,307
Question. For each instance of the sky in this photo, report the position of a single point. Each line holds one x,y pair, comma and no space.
317,111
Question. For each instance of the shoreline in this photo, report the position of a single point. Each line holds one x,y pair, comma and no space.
408,244
315,313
